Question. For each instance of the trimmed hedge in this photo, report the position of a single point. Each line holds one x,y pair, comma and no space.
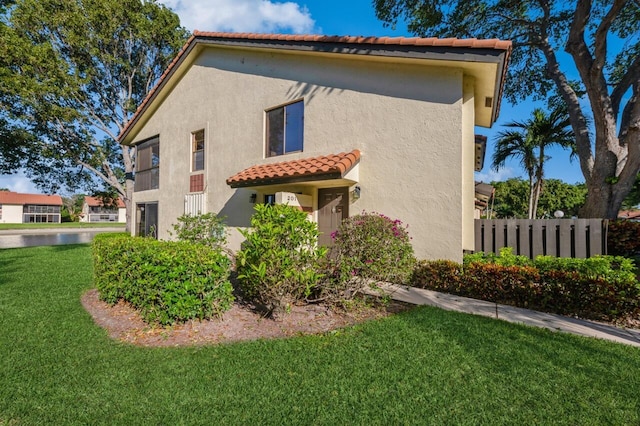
166,281
600,288
623,238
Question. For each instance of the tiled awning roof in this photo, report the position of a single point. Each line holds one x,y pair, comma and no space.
333,166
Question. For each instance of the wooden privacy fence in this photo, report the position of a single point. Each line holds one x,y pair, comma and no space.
580,238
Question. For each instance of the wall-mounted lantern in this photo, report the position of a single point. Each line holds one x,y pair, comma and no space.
356,193
253,197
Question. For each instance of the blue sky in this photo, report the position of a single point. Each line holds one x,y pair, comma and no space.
331,17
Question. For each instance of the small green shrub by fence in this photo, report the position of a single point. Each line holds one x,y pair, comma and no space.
166,281
601,288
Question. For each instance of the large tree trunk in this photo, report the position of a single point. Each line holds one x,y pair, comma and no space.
611,164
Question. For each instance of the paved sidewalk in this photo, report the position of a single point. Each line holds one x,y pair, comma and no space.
511,314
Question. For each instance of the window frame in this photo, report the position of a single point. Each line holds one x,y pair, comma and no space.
195,151
147,167
270,145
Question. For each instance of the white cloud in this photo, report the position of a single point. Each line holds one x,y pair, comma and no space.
258,16
18,183
495,176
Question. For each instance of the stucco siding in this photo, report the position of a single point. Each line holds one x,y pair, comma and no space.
11,213
468,165
408,121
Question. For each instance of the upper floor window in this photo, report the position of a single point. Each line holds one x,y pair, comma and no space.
197,151
148,165
285,129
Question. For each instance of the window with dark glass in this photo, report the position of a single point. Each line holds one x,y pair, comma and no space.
148,165
270,199
197,151
147,220
285,129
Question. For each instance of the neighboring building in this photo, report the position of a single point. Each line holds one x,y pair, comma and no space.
484,195
629,214
94,210
29,208
334,125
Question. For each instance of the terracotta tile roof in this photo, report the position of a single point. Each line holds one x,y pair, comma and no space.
470,43
629,214
7,197
402,41
330,166
97,202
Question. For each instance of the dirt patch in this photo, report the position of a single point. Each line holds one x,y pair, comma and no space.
239,323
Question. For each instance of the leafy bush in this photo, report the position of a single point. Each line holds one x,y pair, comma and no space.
207,229
602,287
373,246
280,262
369,246
505,258
166,281
623,238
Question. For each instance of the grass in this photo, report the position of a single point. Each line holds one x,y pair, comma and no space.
426,366
4,226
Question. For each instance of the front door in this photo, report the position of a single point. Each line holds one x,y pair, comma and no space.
333,206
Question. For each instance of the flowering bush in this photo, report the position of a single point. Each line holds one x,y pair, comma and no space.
370,246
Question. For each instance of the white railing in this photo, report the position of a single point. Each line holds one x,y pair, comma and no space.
195,203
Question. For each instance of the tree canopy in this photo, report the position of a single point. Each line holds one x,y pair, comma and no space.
602,40
72,74
511,198
528,140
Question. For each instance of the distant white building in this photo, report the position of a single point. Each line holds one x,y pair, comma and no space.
94,210
29,208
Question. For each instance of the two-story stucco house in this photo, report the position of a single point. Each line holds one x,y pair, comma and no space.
333,125
95,210
29,208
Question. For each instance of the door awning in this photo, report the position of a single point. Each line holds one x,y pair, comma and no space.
333,166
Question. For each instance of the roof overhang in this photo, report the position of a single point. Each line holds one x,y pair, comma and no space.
317,170
483,60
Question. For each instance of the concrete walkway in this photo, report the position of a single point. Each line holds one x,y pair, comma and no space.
511,314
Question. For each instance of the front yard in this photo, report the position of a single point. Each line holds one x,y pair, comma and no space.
426,366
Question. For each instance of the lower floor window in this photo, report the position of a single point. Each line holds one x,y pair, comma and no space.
41,218
147,220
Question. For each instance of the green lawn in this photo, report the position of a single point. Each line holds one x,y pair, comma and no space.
61,225
426,366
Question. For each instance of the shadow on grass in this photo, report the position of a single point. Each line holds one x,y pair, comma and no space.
8,258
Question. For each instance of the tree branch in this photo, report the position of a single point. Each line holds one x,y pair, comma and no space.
600,42
577,118
102,176
629,78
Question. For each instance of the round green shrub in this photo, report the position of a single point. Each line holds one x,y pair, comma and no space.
280,262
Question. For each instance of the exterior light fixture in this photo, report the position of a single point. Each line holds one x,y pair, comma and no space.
252,198
356,192
558,214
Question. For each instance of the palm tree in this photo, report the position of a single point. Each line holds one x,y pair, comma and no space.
528,142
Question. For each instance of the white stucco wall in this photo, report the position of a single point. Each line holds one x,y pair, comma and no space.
411,123
11,213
